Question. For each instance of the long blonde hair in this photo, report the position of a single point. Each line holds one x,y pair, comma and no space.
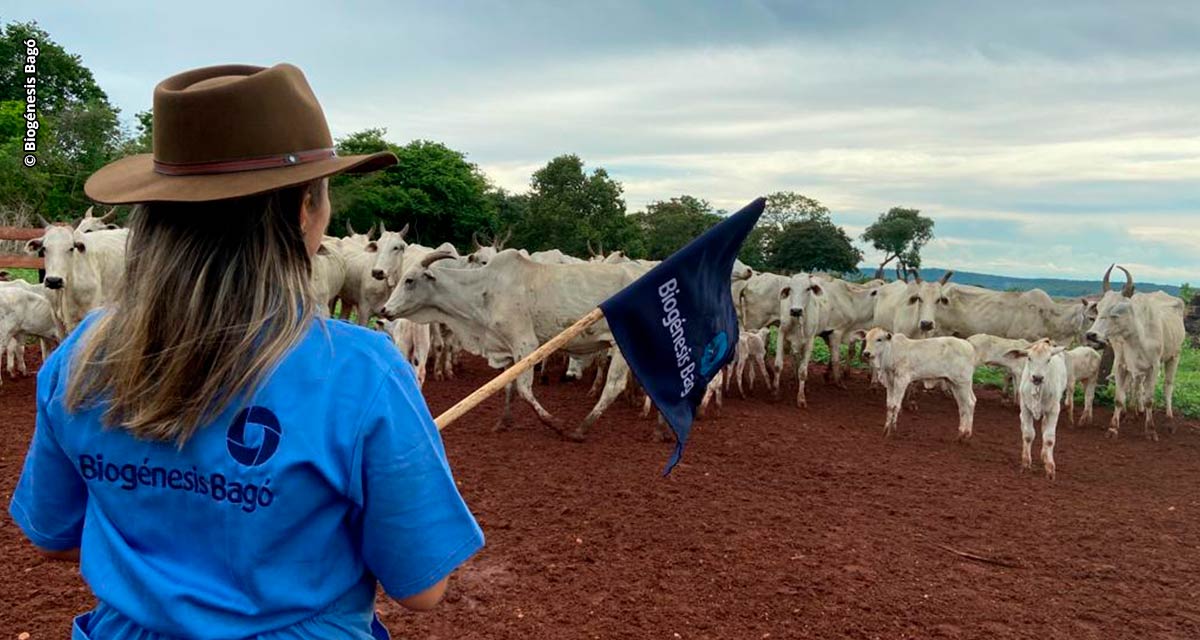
214,295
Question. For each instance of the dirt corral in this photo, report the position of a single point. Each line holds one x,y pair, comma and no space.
780,523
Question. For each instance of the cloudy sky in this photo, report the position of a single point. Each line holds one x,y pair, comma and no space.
1045,138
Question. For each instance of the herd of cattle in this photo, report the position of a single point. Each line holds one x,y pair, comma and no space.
502,304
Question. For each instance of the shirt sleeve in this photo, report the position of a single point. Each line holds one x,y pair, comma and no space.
416,528
51,497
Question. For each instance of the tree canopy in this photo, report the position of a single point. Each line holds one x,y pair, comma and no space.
900,234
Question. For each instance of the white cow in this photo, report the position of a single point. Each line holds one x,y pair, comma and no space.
1083,365
1042,383
992,351
900,361
910,308
328,273
413,340
24,312
506,309
836,309
801,315
1028,315
83,270
711,393
554,256
88,223
1146,333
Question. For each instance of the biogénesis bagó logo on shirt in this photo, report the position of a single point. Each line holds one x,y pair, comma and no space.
252,438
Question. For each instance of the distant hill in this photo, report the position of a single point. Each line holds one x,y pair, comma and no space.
1053,286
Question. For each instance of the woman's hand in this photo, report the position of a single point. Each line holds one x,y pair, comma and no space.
427,599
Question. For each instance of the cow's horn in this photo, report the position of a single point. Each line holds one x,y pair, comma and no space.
43,221
505,240
1127,290
349,228
917,276
404,231
371,231
945,277
434,257
591,251
1105,286
87,214
112,213
475,239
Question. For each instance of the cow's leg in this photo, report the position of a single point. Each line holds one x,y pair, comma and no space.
1089,394
1119,376
618,374
1146,402
780,347
835,357
661,432
895,397
802,358
506,418
1069,399
1049,424
1027,436
363,311
964,397
598,381
524,385
739,372
760,362
1170,366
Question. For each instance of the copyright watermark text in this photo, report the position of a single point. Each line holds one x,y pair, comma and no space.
29,142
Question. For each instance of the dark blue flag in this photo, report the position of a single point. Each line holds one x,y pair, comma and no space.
676,325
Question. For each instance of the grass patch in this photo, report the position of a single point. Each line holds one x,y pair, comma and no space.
28,275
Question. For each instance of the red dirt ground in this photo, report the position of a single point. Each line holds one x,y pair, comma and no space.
780,523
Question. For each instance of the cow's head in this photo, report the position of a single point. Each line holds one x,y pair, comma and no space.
389,255
741,271
417,289
1037,357
924,298
877,343
484,253
1113,314
800,295
59,246
89,223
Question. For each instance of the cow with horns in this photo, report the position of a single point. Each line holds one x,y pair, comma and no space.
1146,333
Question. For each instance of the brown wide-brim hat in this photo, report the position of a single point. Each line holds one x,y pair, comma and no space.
226,132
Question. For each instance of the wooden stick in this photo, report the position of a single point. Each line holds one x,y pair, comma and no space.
511,373
979,558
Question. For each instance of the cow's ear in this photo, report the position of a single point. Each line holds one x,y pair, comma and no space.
380,323
80,247
816,288
785,292
1084,301
372,247
859,335
429,276
33,246
1057,350
887,336
1016,354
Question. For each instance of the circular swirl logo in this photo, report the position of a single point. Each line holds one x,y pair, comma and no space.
254,436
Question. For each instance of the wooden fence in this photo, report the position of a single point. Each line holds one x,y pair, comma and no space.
19,260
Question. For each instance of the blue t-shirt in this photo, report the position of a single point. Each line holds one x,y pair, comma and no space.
282,509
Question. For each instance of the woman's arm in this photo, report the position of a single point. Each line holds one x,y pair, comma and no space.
70,555
427,599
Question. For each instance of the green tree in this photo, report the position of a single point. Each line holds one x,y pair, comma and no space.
1187,293
433,189
570,208
78,130
62,79
666,226
900,234
815,244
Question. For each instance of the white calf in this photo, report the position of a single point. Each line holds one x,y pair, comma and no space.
1043,381
23,312
713,392
752,350
1083,365
899,361
413,340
